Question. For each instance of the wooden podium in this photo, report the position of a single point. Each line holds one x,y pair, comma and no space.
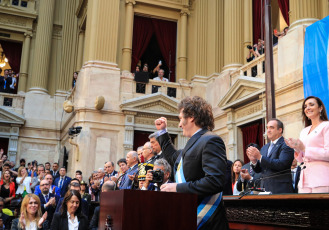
148,210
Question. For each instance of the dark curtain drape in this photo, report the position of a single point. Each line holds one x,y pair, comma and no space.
143,31
13,52
250,135
284,7
258,19
260,138
165,32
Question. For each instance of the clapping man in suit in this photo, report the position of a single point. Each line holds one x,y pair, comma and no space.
129,176
62,181
248,174
200,167
274,160
52,189
48,200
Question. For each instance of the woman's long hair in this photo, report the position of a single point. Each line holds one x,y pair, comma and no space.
233,173
25,202
3,177
69,194
323,114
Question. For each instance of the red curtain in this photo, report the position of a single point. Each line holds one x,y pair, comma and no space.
258,19
13,52
250,135
165,32
284,7
143,31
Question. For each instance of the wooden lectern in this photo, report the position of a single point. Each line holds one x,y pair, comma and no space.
148,210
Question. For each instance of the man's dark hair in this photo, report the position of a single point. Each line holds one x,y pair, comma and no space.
47,163
55,163
199,109
78,172
41,165
253,145
22,160
6,164
63,168
122,160
75,179
279,123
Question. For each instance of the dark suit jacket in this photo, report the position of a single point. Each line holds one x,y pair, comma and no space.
6,220
94,221
50,209
56,174
255,178
228,179
66,183
204,167
279,161
4,82
84,210
61,222
125,181
297,177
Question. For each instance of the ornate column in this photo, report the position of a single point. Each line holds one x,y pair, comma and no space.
233,37
24,62
66,68
102,31
43,46
247,27
304,12
128,143
232,135
127,42
324,8
80,50
182,58
13,143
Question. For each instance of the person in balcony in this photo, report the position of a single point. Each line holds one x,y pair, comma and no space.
75,78
5,82
160,76
13,82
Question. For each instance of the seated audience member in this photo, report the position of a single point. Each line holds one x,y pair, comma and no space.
55,171
71,215
110,173
84,193
31,216
228,179
75,78
274,157
107,187
140,154
160,76
295,175
248,174
6,219
23,181
62,181
84,204
132,162
53,188
78,175
148,153
236,169
123,169
7,187
48,200
159,165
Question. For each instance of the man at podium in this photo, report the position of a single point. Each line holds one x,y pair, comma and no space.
199,167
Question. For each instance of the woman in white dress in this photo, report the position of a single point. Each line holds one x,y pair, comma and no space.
23,180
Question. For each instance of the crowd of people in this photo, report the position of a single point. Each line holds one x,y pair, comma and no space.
8,82
51,199
157,74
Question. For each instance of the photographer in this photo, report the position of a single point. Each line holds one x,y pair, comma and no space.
153,179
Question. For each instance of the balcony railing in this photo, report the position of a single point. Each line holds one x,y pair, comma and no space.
13,102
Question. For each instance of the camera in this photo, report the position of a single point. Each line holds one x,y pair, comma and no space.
249,47
158,176
74,130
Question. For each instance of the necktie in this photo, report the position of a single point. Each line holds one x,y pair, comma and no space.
60,184
270,149
47,198
293,178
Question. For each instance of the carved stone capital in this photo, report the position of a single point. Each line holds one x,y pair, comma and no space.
185,12
132,2
28,34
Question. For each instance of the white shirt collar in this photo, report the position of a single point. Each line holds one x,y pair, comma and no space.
274,142
73,225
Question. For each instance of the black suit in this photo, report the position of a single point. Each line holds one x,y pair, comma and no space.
94,221
204,167
60,222
6,220
279,161
50,209
255,176
55,175
5,84
84,206
228,179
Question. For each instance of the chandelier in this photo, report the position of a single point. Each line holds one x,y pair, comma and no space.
3,60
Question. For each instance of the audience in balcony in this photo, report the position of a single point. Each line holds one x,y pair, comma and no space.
5,82
281,34
160,76
75,78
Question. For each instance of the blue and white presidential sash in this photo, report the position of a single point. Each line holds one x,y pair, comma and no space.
208,204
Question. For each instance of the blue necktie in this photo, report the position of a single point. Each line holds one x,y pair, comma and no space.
270,149
47,198
60,184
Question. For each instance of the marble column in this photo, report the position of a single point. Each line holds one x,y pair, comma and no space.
182,58
233,34
24,62
304,12
39,78
247,27
80,50
127,42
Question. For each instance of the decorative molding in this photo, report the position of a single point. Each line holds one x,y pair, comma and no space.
132,2
13,20
249,110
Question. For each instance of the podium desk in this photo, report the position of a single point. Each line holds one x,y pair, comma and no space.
284,211
148,210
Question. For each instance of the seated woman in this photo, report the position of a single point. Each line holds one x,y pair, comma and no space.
23,181
70,216
7,190
236,169
31,217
